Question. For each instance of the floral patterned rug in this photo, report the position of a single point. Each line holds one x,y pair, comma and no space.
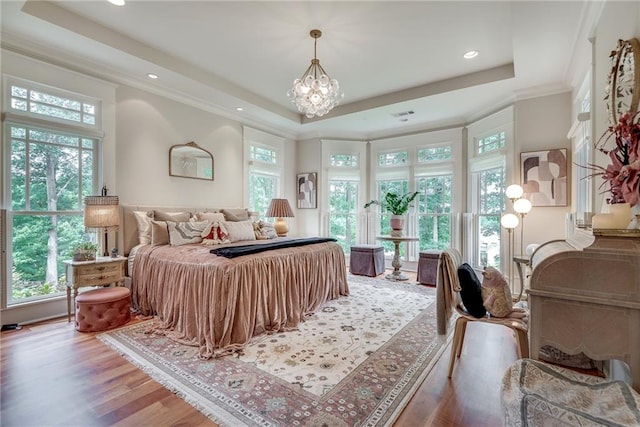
356,361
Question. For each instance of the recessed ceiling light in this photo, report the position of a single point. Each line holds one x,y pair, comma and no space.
117,2
470,54
239,109
152,75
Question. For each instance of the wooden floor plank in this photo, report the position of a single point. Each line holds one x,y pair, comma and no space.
53,375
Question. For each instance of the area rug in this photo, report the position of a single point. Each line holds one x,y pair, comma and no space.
356,361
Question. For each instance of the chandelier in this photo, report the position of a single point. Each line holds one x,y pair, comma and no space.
315,93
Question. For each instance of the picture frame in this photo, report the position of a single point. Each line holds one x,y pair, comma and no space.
544,177
307,185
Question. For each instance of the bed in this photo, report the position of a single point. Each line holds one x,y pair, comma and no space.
219,303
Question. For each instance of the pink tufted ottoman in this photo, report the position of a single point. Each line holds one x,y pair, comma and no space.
103,309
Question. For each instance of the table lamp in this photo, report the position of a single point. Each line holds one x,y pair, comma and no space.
101,213
280,209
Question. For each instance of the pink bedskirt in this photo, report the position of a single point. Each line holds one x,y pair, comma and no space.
218,304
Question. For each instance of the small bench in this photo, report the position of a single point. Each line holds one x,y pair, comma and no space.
428,267
103,309
366,260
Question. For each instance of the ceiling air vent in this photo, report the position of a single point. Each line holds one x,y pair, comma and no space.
403,113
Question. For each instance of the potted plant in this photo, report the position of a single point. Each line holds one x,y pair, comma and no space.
84,251
397,205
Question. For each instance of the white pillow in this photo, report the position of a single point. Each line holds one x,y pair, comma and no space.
240,230
210,216
144,227
182,233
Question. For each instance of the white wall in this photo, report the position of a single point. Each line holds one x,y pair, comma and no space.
540,124
308,159
148,125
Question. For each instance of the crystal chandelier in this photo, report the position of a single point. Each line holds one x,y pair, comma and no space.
315,93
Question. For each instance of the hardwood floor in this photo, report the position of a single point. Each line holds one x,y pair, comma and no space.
53,375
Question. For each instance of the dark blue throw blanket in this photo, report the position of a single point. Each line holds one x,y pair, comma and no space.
236,251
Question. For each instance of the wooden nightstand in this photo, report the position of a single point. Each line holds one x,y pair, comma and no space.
102,271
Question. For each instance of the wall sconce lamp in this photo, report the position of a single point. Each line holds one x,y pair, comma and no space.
279,209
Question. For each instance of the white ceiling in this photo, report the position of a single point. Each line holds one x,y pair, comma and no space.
389,56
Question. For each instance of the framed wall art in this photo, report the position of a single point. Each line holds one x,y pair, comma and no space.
544,177
307,190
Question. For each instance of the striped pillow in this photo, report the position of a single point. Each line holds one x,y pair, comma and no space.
183,233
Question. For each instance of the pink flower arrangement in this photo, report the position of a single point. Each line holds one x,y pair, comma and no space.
623,174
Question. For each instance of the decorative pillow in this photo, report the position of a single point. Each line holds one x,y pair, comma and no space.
215,234
264,230
182,233
171,216
209,216
240,230
159,233
470,291
144,226
235,215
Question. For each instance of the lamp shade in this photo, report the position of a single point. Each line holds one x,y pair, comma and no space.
514,191
509,221
101,212
279,208
522,206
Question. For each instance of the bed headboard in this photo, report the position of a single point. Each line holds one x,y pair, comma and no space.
128,233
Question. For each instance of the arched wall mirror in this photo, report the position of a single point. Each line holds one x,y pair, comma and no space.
190,161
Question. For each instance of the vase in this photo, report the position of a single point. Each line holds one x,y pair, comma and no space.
397,224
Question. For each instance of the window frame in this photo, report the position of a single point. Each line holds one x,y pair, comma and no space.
505,158
255,138
9,81
51,124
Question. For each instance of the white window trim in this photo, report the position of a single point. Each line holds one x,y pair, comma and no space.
256,137
11,80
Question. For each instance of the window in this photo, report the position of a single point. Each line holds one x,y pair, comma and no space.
434,211
582,149
424,163
263,154
491,143
343,198
263,168
490,203
264,177
262,188
344,160
51,172
491,167
580,134
393,159
343,210
426,155
400,186
54,105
